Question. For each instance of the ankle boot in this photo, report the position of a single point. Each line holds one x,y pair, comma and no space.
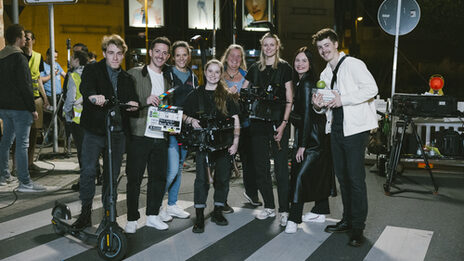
217,216
85,218
199,226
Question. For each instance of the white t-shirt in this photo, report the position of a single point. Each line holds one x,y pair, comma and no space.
157,88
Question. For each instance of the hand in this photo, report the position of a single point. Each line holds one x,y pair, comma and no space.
98,100
317,100
195,123
233,149
335,102
233,89
35,115
134,106
153,100
280,132
300,154
46,103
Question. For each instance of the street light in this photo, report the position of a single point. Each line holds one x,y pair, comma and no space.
359,19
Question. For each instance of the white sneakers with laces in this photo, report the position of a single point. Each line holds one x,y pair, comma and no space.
163,214
266,213
312,217
176,211
131,227
283,218
291,227
156,222
31,187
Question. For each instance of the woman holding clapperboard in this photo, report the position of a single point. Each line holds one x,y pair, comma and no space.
207,106
184,81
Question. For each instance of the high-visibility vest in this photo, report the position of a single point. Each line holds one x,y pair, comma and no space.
77,108
34,66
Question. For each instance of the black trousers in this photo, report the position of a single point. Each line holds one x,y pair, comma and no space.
263,147
92,146
246,156
348,158
152,155
222,167
320,207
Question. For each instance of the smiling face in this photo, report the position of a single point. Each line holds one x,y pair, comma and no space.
301,64
181,58
269,46
159,55
327,49
234,59
257,9
114,56
213,73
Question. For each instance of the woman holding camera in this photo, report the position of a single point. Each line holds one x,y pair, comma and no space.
271,77
212,103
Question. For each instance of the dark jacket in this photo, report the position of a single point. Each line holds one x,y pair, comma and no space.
313,178
96,81
15,81
182,89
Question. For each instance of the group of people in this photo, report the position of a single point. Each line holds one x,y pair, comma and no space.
330,135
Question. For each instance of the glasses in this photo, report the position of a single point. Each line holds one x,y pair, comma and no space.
28,39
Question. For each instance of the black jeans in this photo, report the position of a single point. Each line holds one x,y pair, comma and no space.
222,166
151,154
246,156
320,207
262,147
92,146
348,158
77,133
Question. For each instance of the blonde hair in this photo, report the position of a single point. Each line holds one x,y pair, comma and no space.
113,39
227,52
262,58
221,93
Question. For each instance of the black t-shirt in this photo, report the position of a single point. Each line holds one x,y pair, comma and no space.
192,105
275,77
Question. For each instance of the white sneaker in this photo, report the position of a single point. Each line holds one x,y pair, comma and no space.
311,217
291,227
283,218
31,187
156,222
131,227
163,214
265,213
176,211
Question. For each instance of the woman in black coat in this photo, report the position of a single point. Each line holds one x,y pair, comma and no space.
311,175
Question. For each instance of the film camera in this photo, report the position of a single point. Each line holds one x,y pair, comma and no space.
216,134
424,105
262,103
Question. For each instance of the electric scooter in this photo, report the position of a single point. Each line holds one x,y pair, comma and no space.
109,238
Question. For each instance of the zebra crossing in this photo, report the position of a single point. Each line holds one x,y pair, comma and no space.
31,237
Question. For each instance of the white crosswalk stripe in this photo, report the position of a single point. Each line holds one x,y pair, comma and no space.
395,243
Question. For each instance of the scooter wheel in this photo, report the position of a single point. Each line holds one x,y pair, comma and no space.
60,212
112,246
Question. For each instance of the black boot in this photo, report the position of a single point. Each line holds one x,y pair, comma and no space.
199,226
217,216
85,219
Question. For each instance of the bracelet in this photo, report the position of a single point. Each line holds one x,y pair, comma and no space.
286,121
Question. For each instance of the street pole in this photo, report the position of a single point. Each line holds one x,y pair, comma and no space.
51,22
395,52
14,11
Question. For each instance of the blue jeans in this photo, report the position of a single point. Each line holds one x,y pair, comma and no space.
16,123
176,157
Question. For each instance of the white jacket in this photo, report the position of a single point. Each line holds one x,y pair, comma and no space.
357,91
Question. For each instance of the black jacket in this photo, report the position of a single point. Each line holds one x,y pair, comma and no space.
15,81
95,80
313,178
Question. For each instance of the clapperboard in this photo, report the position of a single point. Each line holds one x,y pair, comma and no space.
163,118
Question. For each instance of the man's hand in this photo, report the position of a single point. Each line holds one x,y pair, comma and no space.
300,154
98,100
35,115
153,100
134,106
335,102
280,132
233,149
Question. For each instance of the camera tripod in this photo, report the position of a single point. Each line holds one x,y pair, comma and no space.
395,154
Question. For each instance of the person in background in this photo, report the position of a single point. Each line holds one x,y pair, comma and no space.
234,75
311,175
350,117
185,81
17,108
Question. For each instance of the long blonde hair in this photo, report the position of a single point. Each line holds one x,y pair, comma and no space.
227,52
221,93
262,58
